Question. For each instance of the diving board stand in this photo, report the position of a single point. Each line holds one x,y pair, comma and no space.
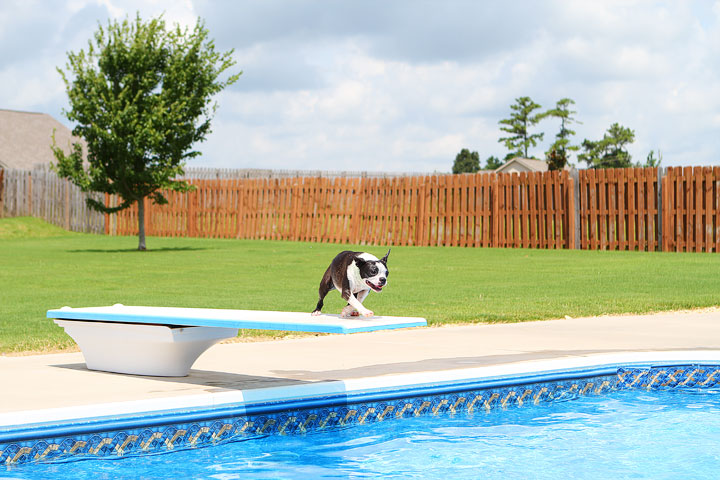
166,341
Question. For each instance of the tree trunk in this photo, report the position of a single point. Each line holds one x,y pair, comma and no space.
141,224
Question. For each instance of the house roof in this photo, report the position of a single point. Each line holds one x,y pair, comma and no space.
26,137
524,164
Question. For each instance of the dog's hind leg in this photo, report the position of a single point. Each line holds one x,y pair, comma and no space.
326,284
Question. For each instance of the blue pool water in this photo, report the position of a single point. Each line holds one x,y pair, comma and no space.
622,434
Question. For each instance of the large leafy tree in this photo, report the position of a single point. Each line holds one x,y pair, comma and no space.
557,154
141,96
518,127
611,151
466,162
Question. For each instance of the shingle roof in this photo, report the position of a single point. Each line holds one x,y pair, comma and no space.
531,164
26,137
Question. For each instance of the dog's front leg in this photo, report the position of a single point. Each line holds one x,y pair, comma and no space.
362,295
359,306
355,303
349,310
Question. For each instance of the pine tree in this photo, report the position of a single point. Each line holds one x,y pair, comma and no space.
610,152
557,154
521,119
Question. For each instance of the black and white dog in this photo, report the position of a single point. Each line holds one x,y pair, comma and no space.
354,274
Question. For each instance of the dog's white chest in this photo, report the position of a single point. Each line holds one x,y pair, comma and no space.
355,280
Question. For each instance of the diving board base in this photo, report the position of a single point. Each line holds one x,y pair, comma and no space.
153,350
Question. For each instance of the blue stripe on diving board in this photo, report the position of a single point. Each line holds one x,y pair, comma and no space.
197,317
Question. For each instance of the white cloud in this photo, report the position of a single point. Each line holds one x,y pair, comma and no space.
179,12
35,92
404,86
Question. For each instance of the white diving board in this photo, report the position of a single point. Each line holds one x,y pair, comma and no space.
245,319
166,341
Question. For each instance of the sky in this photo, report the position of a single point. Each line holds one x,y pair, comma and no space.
404,85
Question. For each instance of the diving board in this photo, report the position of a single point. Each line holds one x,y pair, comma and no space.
166,341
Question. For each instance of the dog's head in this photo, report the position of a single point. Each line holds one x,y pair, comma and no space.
373,271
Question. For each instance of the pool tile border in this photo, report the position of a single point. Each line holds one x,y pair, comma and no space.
164,432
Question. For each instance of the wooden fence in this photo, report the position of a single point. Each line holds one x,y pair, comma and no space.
672,209
40,193
489,210
618,209
691,209
2,192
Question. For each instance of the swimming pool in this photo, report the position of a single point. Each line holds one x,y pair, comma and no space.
285,416
620,435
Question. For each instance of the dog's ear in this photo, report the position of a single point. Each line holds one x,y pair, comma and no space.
359,262
385,258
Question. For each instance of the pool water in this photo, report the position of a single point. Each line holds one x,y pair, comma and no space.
623,434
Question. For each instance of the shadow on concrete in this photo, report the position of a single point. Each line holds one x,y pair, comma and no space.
436,364
213,381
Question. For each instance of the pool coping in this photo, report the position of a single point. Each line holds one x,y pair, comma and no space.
151,427
17,425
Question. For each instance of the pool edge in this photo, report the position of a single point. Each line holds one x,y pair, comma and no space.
271,403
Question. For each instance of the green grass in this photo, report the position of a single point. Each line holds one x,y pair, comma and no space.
28,227
48,268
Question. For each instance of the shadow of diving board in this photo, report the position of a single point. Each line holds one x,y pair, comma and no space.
166,341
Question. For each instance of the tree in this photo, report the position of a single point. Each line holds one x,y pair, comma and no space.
610,152
557,154
493,163
510,155
466,162
651,160
556,158
141,97
521,119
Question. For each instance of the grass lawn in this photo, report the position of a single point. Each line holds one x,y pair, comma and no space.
43,267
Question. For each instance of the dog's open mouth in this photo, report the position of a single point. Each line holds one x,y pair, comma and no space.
377,288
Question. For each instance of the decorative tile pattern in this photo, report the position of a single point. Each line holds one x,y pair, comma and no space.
698,376
300,421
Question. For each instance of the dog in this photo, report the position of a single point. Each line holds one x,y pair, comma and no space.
354,274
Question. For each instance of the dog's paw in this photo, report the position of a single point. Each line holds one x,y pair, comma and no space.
315,313
348,311
368,314
354,313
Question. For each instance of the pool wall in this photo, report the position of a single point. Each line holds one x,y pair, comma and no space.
327,405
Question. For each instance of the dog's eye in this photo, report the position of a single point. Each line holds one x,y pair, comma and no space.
373,271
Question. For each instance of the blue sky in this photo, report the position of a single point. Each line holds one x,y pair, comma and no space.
403,85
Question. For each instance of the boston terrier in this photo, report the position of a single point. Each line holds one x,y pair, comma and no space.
354,274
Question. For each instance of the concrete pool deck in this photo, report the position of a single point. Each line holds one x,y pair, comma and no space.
39,382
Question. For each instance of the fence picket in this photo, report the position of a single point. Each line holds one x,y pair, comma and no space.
689,204
715,176
707,225
699,209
